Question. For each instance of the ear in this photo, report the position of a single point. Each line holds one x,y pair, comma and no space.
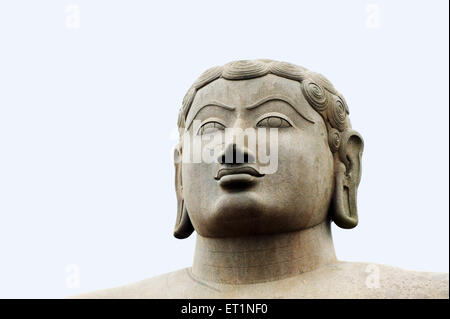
347,178
183,225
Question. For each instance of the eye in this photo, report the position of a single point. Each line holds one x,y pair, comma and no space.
210,128
273,122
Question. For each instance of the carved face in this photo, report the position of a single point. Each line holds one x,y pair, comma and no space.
233,199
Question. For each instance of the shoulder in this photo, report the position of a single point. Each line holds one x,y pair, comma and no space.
370,280
337,280
162,286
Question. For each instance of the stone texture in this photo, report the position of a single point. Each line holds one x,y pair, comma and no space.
264,232
336,280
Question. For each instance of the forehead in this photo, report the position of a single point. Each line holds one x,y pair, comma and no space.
241,93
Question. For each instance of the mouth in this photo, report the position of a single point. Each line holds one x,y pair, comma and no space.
230,176
237,171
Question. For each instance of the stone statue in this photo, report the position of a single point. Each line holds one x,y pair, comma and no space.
263,230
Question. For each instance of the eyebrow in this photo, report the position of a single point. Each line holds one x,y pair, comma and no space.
212,103
276,97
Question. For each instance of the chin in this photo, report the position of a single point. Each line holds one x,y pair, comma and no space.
238,206
243,214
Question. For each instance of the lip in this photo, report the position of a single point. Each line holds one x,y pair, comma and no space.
243,172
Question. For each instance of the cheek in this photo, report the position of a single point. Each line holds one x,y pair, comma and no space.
198,190
304,156
306,170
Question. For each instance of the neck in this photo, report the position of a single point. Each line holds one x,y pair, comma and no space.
245,260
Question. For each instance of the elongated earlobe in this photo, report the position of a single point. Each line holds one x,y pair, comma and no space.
347,177
183,225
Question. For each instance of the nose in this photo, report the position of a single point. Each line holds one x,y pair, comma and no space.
235,155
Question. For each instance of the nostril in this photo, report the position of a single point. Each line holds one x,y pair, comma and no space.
248,158
233,156
229,155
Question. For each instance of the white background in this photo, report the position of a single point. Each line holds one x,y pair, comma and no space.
88,120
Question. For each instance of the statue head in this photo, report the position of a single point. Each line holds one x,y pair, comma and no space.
318,155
